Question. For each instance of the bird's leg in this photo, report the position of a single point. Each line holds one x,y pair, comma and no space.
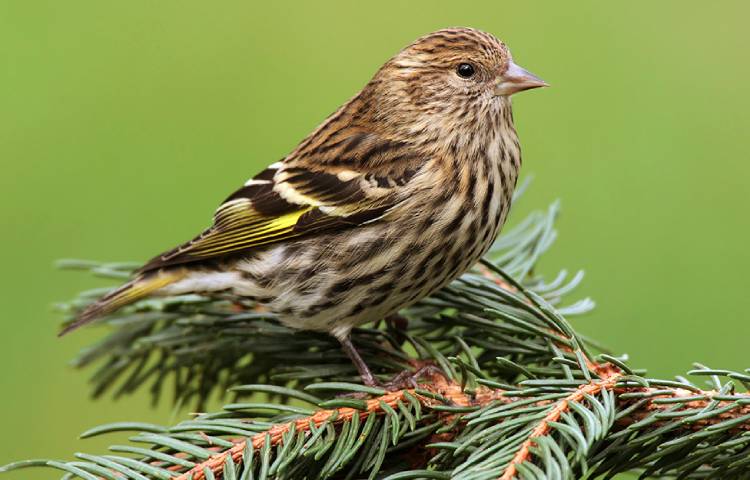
364,371
403,380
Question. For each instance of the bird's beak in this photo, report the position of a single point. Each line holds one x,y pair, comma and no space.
516,79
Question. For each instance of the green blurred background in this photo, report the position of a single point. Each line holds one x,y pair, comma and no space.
123,125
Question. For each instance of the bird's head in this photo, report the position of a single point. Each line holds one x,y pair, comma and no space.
448,76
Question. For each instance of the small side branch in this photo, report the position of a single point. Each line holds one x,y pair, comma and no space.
560,407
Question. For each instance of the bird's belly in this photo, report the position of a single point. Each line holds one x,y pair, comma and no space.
334,282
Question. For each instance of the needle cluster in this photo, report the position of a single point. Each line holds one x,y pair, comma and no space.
509,390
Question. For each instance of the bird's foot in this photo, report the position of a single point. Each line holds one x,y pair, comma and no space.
404,380
409,379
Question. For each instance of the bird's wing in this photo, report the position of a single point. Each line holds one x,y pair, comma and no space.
291,199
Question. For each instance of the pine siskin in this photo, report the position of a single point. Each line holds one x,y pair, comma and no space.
394,195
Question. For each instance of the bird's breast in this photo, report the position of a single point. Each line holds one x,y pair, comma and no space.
442,226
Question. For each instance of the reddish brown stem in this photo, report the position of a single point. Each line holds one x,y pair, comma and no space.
438,384
608,378
561,406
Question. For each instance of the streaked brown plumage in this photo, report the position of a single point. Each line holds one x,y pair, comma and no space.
397,193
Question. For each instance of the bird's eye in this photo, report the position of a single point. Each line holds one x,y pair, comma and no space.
465,70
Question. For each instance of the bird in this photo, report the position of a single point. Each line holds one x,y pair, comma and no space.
394,195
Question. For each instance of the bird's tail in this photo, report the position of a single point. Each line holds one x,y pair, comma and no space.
141,286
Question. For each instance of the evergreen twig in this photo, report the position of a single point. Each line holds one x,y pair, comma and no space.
513,391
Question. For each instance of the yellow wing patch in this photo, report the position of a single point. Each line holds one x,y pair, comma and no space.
253,231
284,202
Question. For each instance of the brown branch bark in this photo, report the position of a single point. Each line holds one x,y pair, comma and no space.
561,406
436,383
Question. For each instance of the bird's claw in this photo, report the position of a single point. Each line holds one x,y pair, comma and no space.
408,379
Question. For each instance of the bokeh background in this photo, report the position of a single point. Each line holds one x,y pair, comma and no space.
123,125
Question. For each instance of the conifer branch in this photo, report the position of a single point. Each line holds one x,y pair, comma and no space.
560,407
438,386
514,391
439,392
